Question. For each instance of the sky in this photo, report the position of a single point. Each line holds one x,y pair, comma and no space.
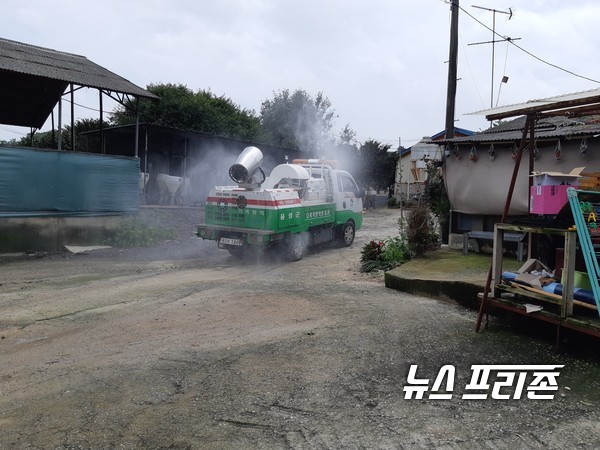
383,64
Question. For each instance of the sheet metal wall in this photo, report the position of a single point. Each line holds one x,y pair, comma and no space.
481,187
49,183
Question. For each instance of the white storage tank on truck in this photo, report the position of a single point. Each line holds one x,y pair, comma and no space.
305,203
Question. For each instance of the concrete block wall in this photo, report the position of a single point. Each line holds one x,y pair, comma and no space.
24,234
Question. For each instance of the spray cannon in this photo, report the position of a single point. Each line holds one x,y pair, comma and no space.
246,171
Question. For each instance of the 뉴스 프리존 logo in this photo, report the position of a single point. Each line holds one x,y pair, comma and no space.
500,382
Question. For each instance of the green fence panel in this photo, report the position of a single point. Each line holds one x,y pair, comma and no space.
41,182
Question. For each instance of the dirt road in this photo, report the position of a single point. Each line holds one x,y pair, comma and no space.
166,349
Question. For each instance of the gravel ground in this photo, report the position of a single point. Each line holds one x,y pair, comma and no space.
181,346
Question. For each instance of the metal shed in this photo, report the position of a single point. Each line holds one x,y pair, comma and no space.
34,79
50,197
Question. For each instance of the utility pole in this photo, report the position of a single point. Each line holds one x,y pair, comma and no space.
452,70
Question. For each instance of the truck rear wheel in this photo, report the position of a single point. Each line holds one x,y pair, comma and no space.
236,252
295,246
347,233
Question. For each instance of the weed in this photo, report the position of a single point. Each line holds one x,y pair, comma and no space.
384,255
135,233
392,202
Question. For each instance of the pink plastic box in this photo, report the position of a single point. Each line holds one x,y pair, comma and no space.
549,191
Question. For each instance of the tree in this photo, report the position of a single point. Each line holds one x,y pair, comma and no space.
201,111
377,165
49,139
298,121
44,139
345,150
437,197
347,136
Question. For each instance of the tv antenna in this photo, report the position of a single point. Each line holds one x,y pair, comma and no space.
509,13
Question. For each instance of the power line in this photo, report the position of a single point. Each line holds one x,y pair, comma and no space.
471,71
510,40
8,130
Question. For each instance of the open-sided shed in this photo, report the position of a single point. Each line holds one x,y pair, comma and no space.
48,196
34,79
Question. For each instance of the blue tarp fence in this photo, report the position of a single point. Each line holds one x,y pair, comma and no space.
37,182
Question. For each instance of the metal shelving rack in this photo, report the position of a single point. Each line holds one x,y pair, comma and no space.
557,309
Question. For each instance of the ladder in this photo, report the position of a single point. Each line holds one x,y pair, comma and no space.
580,209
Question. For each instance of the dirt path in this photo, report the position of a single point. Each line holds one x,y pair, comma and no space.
122,350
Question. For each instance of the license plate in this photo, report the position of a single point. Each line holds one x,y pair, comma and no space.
230,241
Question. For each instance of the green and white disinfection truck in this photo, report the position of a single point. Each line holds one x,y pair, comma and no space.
298,205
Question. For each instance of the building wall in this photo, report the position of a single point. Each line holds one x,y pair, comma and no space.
202,160
481,186
411,173
50,234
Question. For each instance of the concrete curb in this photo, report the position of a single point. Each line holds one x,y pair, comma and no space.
462,292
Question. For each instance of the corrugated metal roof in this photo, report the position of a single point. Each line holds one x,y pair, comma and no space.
33,79
47,63
546,128
555,103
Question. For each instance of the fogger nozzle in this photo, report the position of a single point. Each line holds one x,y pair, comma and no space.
246,165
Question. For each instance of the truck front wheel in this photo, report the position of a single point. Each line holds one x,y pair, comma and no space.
346,236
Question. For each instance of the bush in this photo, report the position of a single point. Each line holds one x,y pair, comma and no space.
384,255
420,235
392,202
135,233
396,251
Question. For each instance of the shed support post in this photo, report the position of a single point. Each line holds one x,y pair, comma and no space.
102,149
137,125
60,124
72,118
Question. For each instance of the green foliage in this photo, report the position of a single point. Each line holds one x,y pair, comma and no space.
392,202
372,251
396,251
201,111
384,255
49,139
46,139
348,136
420,235
135,233
437,196
296,120
345,150
377,165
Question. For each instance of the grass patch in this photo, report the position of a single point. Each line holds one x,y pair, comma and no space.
447,264
136,233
